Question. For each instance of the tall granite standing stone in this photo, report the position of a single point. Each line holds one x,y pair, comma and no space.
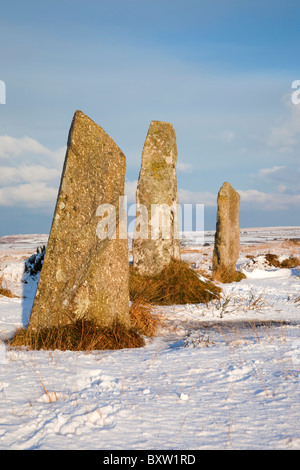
227,236
84,276
156,236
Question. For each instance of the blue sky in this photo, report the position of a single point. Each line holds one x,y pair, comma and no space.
219,70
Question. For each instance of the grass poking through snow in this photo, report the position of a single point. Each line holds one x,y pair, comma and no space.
86,335
79,336
176,284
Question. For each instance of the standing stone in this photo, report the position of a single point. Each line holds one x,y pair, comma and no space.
227,237
156,236
84,276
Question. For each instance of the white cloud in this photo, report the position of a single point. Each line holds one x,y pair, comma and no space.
252,195
58,155
268,171
223,136
251,199
11,146
259,200
283,138
197,197
283,178
130,191
31,174
30,195
185,167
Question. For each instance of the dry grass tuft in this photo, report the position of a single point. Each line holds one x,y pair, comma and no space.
292,242
203,273
79,336
297,299
272,259
291,262
6,292
177,284
144,320
226,276
86,335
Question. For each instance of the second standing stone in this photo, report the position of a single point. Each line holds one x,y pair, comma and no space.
156,237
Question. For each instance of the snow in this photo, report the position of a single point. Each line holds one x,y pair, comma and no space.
221,376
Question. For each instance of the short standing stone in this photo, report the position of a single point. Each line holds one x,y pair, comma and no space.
156,237
84,276
227,237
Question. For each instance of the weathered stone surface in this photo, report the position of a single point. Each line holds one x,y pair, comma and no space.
156,237
84,277
227,237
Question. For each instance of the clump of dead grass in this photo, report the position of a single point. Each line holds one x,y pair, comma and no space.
85,335
291,262
292,241
288,263
81,335
145,320
3,290
176,284
226,276
6,292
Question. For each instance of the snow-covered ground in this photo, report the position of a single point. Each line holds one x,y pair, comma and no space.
222,376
